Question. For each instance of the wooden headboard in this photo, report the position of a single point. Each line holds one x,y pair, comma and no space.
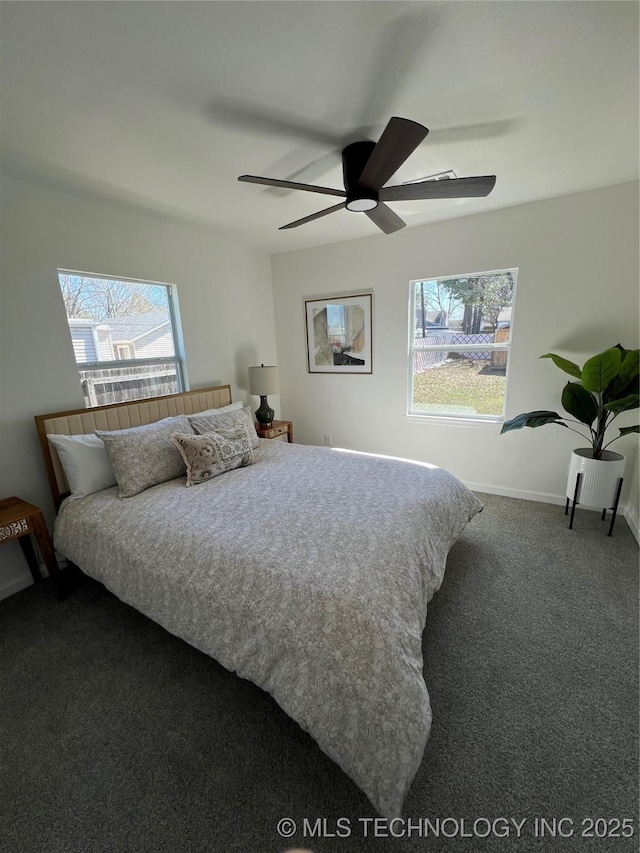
118,416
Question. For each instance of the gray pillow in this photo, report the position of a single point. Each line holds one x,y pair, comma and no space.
211,454
145,456
213,420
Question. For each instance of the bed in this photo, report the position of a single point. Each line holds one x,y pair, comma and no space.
307,572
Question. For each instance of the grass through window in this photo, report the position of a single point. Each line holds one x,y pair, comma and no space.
460,386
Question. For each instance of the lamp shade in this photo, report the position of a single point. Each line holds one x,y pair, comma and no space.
263,380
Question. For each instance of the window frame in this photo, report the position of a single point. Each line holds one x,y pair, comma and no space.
445,417
179,358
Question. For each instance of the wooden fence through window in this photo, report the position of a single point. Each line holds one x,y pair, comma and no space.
101,387
424,360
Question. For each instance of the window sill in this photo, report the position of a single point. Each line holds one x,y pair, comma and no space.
454,420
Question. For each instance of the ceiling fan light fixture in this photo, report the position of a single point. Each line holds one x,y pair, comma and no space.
359,205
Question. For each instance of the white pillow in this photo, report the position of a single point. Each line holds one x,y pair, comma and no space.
232,407
85,463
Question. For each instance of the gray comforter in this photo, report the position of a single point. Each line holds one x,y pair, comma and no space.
308,573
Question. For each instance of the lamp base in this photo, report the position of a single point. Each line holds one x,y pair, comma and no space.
265,414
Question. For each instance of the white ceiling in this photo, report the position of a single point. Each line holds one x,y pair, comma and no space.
163,104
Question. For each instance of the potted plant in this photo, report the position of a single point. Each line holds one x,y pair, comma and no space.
607,386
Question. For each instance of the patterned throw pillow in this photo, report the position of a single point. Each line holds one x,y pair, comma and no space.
214,420
145,456
212,453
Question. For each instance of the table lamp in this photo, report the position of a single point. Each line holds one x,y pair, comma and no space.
263,381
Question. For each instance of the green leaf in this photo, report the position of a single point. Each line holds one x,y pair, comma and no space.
580,403
630,367
627,430
624,352
601,370
568,366
531,419
625,404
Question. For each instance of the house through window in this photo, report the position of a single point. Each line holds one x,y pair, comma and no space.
125,336
460,339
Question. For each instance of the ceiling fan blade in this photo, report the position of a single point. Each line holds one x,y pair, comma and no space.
395,57
255,119
399,140
313,216
471,132
385,219
291,185
455,188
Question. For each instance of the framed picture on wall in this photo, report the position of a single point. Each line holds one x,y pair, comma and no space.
339,334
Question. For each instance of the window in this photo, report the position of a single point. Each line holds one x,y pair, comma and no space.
124,351
460,338
125,336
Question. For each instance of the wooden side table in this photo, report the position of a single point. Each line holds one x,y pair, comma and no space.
276,429
18,519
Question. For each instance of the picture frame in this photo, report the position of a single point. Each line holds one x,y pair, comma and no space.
340,334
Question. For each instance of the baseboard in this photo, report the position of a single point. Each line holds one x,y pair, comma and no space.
632,520
521,494
15,585
547,498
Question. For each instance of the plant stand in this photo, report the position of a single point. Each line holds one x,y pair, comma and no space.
574,504
595,483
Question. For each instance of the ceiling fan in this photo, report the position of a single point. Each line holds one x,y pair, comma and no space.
367,166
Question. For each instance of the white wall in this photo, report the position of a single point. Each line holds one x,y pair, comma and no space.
577,294
225,297
632,512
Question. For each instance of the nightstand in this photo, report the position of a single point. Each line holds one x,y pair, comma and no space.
276,429
18,519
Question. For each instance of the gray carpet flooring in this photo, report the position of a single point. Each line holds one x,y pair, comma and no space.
116,736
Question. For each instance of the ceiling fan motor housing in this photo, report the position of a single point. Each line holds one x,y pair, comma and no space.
354,159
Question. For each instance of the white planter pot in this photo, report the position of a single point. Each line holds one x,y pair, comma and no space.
600,477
